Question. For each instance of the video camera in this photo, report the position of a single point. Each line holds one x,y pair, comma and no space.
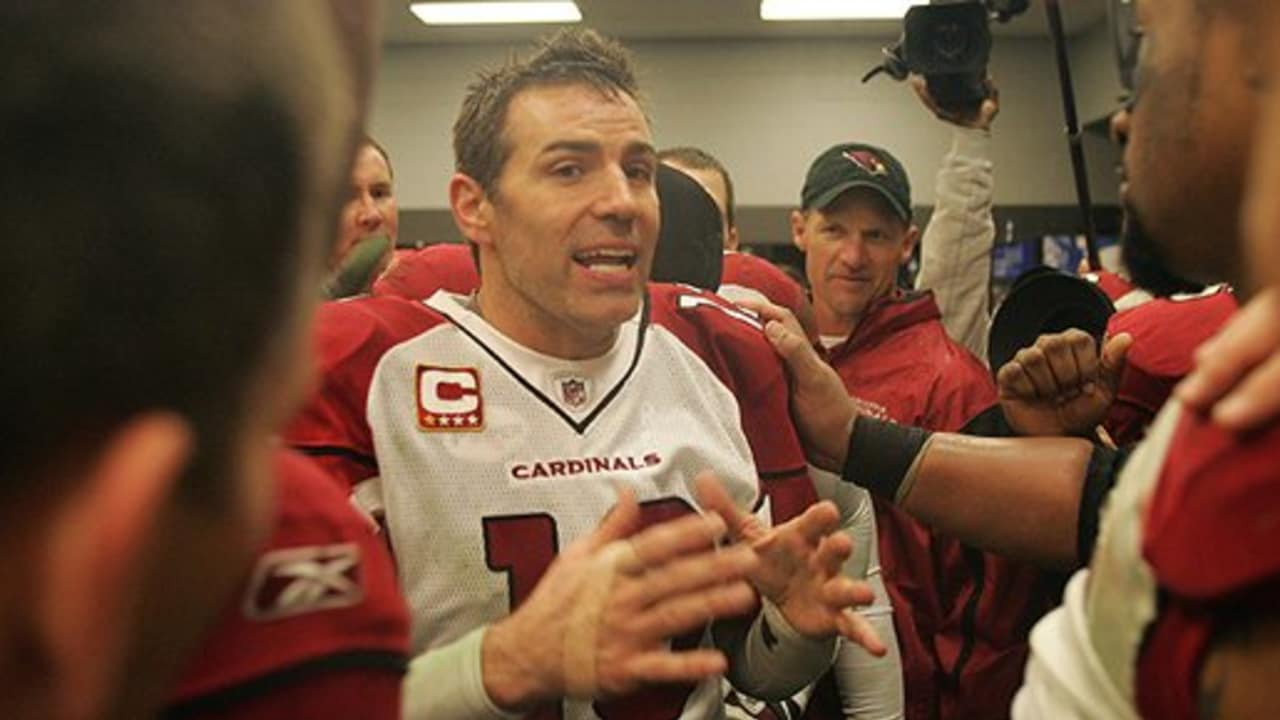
949,43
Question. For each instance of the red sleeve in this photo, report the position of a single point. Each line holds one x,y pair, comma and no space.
1209,535
1212,522
731,342
350,337
319,615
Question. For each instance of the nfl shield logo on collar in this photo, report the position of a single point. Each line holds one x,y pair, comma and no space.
573,391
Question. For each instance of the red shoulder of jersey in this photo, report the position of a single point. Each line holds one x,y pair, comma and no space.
1166,333
1213,519
731,341
417,275
1112,285
350,337
764,277
321,599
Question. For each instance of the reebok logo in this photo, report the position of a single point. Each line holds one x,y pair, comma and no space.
304,579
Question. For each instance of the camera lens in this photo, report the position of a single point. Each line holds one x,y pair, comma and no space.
952,43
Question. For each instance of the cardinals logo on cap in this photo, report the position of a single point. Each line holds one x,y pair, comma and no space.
867,160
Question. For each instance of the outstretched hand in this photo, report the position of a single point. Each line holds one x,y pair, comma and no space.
800,567
599,621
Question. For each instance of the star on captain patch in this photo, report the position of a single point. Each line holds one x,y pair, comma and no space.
573,391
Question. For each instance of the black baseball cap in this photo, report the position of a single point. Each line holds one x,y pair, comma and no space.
1042,301
850,165
690,246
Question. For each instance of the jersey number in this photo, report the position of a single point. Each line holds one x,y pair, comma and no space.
690,302
523,547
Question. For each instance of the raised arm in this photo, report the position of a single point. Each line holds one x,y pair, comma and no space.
955,253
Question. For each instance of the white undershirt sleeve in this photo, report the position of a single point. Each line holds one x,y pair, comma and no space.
447,683
774,661
870,687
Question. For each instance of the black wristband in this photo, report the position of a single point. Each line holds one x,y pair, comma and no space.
880,454
1104,469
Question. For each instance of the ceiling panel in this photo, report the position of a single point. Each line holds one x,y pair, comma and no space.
709,19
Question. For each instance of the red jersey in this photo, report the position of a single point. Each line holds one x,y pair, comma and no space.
417,275
1166,333
318,630
755,273
486,457
962,615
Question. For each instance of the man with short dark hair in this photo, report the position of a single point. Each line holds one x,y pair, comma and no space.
157,289
706,169
743,276
369,225
495,433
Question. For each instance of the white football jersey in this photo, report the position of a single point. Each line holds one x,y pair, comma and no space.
491,457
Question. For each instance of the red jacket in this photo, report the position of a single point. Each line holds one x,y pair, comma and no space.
962,616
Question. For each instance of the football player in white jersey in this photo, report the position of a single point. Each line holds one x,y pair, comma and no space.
493,435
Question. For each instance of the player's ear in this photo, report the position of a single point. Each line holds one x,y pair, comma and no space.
797,230
731,241
909,244
472,209
95,544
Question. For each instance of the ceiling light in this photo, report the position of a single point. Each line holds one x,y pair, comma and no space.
835,9
495,13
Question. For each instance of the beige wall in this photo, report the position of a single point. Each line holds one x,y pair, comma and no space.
767,107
